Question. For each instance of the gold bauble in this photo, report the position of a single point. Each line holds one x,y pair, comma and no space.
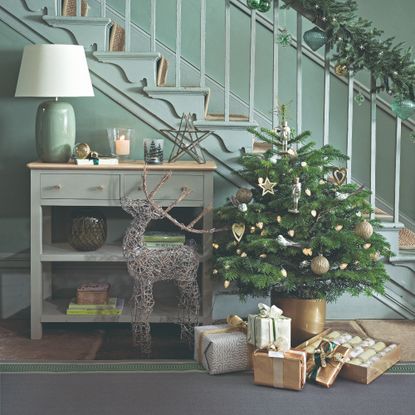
252,229
244,255
284,272
244,195
338,228
291,233
343,266
238,252
278,219
226,283
320,265
81,151
308,192
341,69
215,245
264,233
367,246
263,256
313,213
364,230
260,225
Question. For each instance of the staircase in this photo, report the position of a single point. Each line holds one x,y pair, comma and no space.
157,83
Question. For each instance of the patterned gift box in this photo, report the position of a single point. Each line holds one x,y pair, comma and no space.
268,327
285,370
221,349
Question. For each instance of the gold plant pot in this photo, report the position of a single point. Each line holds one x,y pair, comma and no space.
308,317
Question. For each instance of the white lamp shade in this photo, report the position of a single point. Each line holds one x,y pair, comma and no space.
54,71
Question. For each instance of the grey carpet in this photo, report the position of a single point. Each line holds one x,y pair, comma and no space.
196,393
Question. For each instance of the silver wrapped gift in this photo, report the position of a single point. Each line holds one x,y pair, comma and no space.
221,349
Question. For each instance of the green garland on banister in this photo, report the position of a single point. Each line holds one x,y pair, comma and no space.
357,45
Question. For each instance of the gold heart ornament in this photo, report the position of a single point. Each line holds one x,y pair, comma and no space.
238,230
339,176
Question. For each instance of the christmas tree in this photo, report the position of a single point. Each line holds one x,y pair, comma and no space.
299,229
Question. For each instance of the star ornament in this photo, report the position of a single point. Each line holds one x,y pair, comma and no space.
187,139
266,185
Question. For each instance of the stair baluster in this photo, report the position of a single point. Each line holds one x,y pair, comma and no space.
127,26
326,116
103,7
78,8
252,67
299,100
349,144
397,171
153,9
373,97
275,62
202,43
178,41
227,57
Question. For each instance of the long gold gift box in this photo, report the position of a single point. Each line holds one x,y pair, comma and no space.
357,373
286,372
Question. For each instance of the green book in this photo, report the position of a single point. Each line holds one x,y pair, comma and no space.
164,237
98,312
112,304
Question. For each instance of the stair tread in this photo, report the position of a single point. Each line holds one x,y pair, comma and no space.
403,256
177,90
77,19
221,117
127,55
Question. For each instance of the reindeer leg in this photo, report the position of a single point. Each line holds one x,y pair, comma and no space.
143,306
188,308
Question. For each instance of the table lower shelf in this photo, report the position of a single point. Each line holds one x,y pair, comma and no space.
54,311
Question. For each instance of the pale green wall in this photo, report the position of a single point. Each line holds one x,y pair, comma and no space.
95,114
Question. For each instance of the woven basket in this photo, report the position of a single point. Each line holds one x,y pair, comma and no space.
91,293
117,38
406,239
69,8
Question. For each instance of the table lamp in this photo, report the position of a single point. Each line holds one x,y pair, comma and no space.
54,71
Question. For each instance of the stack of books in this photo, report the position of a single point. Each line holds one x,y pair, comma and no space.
157,240
114,307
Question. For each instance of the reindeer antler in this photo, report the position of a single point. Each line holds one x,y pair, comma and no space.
185,191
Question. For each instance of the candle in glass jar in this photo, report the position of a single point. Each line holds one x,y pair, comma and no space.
122,146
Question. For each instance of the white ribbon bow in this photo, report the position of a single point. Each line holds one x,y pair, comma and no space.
266,311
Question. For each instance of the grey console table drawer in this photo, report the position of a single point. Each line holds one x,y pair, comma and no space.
172,189
80,186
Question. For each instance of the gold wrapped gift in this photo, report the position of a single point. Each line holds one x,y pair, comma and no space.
286,370
325,363
353,371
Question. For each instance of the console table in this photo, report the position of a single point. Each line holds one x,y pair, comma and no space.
72,185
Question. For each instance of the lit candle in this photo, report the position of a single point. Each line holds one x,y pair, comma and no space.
122,146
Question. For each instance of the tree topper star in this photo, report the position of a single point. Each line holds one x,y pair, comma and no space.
267,186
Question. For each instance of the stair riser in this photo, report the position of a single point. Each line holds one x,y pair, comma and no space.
392,236
39,5
404,276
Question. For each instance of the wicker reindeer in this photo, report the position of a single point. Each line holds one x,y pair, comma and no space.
147,266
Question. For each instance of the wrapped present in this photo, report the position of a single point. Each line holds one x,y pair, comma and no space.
325,363
369,358
286,370
268,327
223,348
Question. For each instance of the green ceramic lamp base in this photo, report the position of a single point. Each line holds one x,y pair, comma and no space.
55,131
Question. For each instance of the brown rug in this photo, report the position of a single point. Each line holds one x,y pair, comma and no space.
63,343
398,331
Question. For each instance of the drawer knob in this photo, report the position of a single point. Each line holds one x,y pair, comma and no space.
100,187
57,187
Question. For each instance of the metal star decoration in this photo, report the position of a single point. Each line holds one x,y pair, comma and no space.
187,139
266,185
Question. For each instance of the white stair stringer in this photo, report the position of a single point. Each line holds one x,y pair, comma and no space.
134,65
91,32
51,6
